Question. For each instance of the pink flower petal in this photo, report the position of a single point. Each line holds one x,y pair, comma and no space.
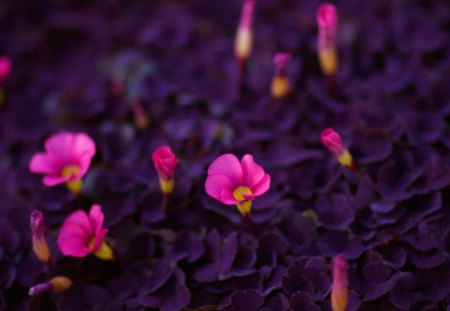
53,180
96,218
73,246
262,186
226,197
59,147
82,152
75,235
78,219
99,238
82,146
229,166
216,183
42,163
252,172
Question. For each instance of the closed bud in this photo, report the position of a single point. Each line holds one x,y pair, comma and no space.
38,230
339,288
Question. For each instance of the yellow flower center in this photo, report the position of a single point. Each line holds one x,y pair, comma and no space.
73,185
238,194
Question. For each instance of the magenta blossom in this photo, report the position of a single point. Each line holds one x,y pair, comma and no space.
66,160
234,182
165,164
82,234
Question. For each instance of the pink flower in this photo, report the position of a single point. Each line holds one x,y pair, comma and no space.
66,160
5,68
82,234
339,288
233,182
38,231
165,164
327,20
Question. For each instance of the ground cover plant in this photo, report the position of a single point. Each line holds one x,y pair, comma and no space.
224,155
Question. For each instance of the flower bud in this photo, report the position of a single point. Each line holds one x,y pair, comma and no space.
56,284
38,230
165,164
333,142
280,83
339,288
327,20
244,36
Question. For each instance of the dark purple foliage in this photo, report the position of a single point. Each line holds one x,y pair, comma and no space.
99,66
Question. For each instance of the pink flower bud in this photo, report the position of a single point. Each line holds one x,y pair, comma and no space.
233,182
280,83
332,140
244,36
327,20
339,288
165,164
38,230
66,160
5,68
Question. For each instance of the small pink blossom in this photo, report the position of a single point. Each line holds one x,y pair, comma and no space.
234,182
5,68
165,162
327,20
339,288
332,140
82,234
67,158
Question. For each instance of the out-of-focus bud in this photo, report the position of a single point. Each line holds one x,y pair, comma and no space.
327,20
339,288
280,84
244,36
38,230
56,284
165,163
